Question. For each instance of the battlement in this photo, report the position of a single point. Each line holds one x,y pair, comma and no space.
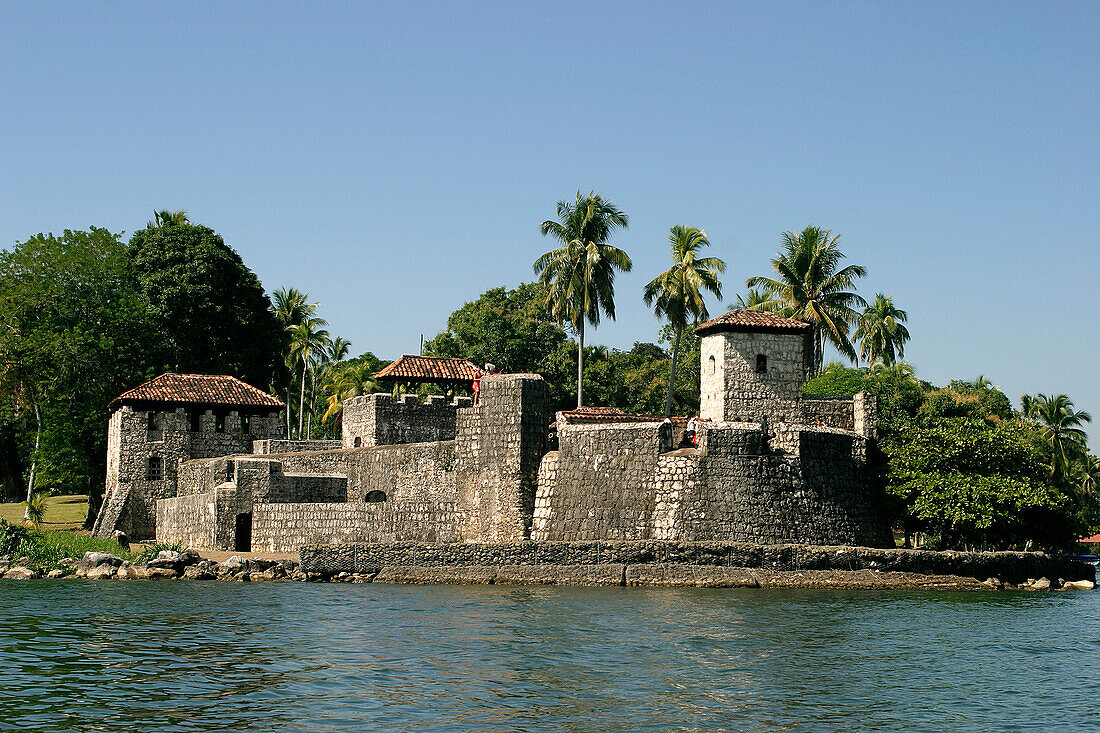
379,419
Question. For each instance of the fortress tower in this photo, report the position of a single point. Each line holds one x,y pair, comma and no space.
174,418
753,365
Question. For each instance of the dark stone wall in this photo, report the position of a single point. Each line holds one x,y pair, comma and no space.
1013,567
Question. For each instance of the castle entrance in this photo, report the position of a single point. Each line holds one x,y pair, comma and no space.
242,535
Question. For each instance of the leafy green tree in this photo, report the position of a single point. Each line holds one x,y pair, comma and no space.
809,287
74,334
882,332
678,292
208,309
164,218
513,329
581,273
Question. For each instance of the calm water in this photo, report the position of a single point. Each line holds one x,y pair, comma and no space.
193,656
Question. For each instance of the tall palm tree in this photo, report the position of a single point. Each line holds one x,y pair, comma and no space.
166,218
292,308
581,273
677,293
881,332
307,341
1060,425
810,288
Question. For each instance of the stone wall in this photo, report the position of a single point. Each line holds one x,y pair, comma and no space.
732,390
189,520
379,419
604,483
498,448
285,527
1013,567
817,492
269,447
136,437
834,412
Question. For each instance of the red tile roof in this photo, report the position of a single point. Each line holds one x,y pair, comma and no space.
750,320
432,369
198,389
587,415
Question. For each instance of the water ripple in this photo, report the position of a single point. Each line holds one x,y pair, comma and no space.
83,656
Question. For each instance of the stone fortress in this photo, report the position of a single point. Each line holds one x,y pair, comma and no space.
200,460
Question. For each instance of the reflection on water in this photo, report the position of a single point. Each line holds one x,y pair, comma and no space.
194,656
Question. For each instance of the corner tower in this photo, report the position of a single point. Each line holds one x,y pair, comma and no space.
173,418
753,365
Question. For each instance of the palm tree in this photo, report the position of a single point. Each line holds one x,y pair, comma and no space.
166,218
677,293
336,350
1087,473
292,308
752,300
351,381
881,332
581,273
1060,430
307,341
810,288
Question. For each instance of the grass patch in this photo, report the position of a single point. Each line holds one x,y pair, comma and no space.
62,512
48,548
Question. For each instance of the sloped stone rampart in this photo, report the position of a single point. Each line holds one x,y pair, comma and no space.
282,527
1012,567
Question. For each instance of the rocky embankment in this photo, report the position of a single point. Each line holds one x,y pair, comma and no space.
782,566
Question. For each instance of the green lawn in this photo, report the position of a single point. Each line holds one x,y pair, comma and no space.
62,512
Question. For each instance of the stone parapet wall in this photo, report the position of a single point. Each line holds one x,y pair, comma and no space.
368,558
188,520
815,489
269,447
499,446
379,419
604,483
833,412
284,527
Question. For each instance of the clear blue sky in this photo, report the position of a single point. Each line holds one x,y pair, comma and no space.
395,160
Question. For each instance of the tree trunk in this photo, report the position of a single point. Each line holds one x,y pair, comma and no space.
302,399
34,462
672,374
580,362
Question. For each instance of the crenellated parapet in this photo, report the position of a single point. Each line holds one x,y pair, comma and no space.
379,419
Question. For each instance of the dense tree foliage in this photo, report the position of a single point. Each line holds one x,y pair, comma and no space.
73,335
207,306
962,468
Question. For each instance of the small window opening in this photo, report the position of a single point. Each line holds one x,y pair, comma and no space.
229,471
358,442
713,363
375,497
152,421
196,421
761,364
154,470
219,423
246,424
